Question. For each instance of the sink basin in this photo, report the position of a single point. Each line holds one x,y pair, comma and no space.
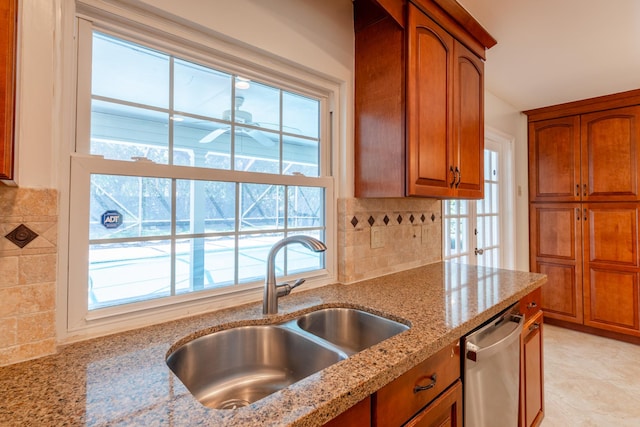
235,367
350,329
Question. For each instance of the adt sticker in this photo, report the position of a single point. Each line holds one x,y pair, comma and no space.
112,219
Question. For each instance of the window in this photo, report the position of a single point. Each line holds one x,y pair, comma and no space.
480,232
185,174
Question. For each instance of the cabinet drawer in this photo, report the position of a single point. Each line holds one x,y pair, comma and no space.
530,304
399,400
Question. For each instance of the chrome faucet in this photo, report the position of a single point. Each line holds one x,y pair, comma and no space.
273,291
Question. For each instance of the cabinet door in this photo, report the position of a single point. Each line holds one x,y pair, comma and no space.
445,411
554,160
8,16
612,267
358,415
429,107
556,250
610,157
532,374
468,123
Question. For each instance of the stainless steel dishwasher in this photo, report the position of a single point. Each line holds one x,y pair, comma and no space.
492,373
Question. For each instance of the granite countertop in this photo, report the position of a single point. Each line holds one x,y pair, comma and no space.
122,379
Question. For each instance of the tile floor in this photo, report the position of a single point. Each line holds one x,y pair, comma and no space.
590,381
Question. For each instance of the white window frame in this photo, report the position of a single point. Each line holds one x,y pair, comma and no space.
78,322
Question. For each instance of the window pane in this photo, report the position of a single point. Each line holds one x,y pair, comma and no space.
256,151
205,206
252,256
202,91
201,143
143,205
204,263
129,72
300,258
300,156
120,132
300,115
258,105
121,273
261,206
305,207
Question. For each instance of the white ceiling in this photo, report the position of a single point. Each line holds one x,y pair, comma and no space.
554,51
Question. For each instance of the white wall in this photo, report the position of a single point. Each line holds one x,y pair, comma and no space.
507,119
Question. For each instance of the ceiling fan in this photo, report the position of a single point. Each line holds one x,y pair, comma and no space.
241,116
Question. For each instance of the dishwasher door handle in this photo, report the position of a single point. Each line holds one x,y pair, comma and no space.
473,351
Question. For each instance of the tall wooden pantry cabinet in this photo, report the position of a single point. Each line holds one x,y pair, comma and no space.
584,194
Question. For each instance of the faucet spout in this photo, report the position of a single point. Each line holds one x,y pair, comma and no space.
271,289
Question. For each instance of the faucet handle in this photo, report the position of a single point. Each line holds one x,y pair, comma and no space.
298,283
285,288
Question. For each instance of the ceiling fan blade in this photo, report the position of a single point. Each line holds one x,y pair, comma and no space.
262,139
213,135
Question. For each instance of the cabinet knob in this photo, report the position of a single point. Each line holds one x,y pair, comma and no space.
578,190
453,177
459,177
432,384
531,305
535,326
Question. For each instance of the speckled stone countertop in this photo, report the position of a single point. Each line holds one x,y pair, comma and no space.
122,380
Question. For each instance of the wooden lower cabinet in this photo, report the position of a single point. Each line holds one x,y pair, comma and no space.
591,256
358,415
445,411
532,372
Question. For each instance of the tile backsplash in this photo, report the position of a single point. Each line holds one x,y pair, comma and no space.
28,274
382,236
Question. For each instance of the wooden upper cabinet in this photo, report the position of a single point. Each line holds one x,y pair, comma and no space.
8,17
419,113
588,157
468,123
610,154
554,160
429,107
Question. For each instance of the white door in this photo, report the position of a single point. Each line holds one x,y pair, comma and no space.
481,232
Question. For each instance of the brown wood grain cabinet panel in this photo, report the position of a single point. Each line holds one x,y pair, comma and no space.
556,250
419,108
8,27
397,402
611,232
468,122
358,415
612,300
532,373
429,93
554,160
445,411
610,154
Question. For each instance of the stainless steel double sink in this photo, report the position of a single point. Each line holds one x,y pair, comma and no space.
235,367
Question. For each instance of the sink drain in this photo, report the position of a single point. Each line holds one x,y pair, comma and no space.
233,404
